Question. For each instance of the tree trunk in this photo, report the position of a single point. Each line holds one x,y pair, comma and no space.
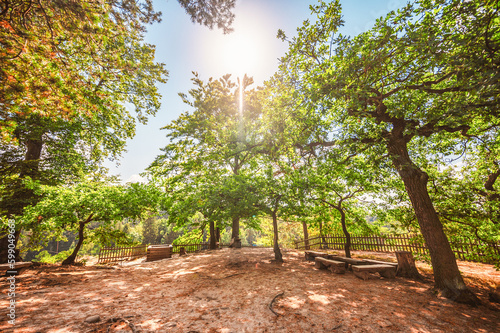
306,235
447,277
212,236
4,246
235,233
277,252
217,235
21,196
71,259
323,240
347,245
406,265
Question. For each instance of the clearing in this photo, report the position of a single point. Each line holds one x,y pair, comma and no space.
231,290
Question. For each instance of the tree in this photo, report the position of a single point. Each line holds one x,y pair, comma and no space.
273,194
408,90
90,208
217,138
67,84
338,181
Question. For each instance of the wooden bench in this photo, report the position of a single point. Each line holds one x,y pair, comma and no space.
19,267
347,261
310,255
380,262
363,271
334,266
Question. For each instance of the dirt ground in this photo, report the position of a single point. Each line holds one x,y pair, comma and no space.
240,290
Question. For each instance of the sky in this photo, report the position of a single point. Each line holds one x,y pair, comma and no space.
252,49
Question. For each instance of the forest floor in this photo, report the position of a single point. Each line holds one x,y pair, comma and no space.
241,290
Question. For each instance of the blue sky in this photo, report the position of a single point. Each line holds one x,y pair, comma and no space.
252,49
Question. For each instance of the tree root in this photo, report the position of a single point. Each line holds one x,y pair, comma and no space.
464,296
271,304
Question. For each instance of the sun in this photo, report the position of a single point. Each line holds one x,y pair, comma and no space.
252,49
241,54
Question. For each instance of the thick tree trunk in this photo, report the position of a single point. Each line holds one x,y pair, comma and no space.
277,252
4,246
71,259
217,235
235,233
347,244
306,235
406,265
212,236
21,196
447,277
32,158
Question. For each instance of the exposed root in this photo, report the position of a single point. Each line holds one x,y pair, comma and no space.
464,296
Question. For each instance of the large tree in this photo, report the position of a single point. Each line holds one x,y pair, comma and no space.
408,89
66,89
221,133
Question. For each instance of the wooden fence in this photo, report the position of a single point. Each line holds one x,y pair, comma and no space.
112,254
190,247
463,249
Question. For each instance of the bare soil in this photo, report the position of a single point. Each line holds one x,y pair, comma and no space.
241,290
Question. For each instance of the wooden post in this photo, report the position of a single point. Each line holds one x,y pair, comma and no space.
406,265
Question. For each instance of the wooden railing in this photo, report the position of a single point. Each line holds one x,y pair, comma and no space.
190,247
112,254
464,250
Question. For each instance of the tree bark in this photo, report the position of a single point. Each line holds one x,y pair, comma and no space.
277,252
306,235
21,196
406,265
212,235
235,233
4,247
347,244
71,259
447,277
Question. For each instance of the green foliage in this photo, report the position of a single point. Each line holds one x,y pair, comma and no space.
59,62
99,206
46,257
211,12
191,237
289,232
205,166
